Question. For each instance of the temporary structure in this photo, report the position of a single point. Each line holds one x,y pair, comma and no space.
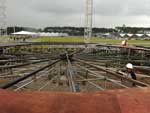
52,34
25,33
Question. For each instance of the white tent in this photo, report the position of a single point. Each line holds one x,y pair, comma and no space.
129,35
52,34
25,33
40,34
48,34
148,35
122,35
139,35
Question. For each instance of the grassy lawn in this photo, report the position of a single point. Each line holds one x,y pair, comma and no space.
94,40
81,39
59,39
3,39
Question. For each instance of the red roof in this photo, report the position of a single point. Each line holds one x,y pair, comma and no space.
116,101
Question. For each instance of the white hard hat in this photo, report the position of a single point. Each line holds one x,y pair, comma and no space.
129,65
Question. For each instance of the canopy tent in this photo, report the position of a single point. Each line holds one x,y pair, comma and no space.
129,35
52,34
39,34
148,35
122,35
48,34
139,35
25,33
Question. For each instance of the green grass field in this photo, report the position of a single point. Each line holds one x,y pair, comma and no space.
94,40
3,39
81,39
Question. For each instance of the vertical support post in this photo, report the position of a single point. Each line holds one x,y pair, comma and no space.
142,57
129,53
59,74
105,86
86,76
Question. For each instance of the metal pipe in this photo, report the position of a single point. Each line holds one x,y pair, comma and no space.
19,60
21,65
85,80
71,75
27,76
45,85
102,77
117,83
127,47
28,83
113,73
97,86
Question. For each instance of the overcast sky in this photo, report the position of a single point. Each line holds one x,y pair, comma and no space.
107,13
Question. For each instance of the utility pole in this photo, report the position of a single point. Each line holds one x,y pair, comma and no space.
3,18
88,21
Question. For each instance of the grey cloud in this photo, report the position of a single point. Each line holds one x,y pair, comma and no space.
107,13
120,7
57,7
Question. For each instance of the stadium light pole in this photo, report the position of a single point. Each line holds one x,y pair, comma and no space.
88,21
3,20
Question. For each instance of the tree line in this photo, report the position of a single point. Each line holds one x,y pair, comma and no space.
78,31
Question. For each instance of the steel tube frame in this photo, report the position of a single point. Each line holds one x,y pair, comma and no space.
47,83
27,76
93,84
113,73
71,75
102,77
21,65
28,83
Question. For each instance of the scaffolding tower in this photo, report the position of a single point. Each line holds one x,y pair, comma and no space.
3,22
88,21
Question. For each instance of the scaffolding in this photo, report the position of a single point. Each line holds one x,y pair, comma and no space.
74,70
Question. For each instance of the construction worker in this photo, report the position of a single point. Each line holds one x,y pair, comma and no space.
124,42
130,71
